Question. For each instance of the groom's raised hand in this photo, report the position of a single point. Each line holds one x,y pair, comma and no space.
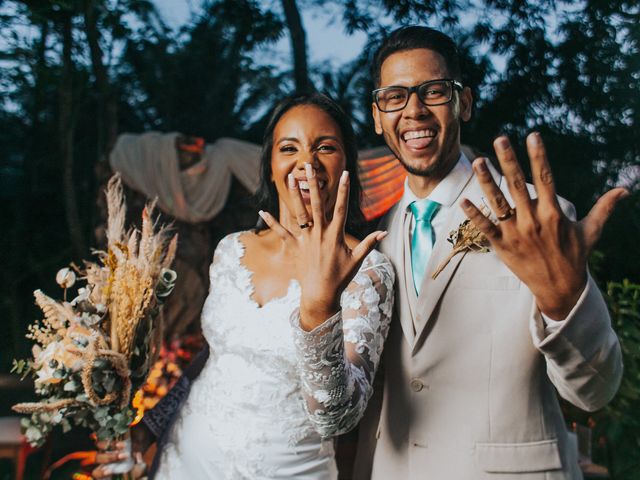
543,247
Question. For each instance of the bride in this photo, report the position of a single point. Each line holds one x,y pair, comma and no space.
296,317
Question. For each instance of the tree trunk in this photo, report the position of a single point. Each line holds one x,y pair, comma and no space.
107,103
298,46
66,137
33,157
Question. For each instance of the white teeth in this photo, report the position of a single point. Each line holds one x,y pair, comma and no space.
419,134
304,185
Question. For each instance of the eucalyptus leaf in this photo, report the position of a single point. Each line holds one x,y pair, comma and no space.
66,425
71,386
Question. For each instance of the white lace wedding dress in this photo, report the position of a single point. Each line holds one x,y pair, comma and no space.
271,395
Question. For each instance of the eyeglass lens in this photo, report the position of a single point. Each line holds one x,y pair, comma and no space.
429,93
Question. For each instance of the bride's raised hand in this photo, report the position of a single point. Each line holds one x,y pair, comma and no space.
324,262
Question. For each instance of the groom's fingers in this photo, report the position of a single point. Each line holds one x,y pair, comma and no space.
541,171
497,200
594,222
483,224
515,178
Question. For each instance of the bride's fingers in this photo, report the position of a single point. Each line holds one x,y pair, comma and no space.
110,452
274,225
110,445
299,210
317,209
103,471
365,246
342,204
140,467
111,457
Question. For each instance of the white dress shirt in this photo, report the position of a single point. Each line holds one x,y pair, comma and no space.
445,193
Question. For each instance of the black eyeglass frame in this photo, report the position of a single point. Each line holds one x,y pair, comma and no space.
455,84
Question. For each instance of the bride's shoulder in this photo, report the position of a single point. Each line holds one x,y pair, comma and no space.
239,244
227,243
229,247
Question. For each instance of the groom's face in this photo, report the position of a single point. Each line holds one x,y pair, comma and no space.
426,139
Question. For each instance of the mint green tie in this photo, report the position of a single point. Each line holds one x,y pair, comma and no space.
423,238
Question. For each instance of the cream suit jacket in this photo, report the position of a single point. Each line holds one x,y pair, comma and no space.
470,376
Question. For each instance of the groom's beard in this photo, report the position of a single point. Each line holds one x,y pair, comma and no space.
443,160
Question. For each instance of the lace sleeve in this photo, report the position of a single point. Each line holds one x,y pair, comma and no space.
338,359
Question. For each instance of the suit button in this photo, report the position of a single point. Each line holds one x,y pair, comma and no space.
416,385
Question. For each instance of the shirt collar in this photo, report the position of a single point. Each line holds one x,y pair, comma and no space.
449,188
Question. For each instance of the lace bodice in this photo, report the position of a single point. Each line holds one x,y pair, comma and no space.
270,394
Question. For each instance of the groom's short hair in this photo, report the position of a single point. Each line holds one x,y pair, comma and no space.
413,37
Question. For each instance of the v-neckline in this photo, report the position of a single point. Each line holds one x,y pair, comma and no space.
250,288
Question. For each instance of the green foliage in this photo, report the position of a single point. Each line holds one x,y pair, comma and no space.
202,82
618,425
107,421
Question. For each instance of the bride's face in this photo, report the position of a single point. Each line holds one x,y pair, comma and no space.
307,134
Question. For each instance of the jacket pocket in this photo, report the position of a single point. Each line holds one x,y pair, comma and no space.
519,457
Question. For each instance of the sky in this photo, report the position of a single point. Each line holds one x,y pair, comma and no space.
326,39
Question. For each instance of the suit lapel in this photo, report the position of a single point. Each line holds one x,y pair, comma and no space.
393,247
432,289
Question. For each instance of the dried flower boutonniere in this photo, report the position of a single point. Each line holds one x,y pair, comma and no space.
466,237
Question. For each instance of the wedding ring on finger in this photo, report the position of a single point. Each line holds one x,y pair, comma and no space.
309,224
506,215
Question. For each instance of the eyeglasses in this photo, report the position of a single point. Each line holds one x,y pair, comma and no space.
431,93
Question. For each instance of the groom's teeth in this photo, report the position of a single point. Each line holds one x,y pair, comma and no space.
419,134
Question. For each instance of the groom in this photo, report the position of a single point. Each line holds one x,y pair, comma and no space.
476,353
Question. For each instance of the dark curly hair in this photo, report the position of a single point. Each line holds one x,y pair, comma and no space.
267,195
413,37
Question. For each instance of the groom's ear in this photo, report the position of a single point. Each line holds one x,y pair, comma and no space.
376,118
466,104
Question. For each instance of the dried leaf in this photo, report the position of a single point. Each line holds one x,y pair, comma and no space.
466,238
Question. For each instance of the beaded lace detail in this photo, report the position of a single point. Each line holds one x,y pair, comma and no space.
265,402
339,358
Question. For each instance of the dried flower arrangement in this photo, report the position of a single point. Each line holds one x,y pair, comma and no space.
466,238
91,353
